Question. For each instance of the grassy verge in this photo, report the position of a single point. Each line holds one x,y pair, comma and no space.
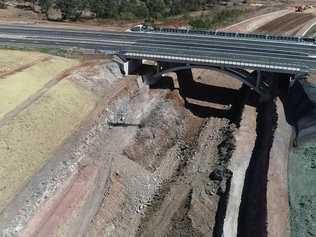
311,32
302,176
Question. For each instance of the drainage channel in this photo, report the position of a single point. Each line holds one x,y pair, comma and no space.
252,219
203,177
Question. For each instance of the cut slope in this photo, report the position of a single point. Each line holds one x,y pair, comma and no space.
37,112
27,140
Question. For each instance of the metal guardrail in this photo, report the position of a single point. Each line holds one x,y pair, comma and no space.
218,61
236,35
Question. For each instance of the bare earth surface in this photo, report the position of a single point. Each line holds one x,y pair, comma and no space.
288,24
106,158
254,23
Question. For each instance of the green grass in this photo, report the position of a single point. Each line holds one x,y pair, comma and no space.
302,189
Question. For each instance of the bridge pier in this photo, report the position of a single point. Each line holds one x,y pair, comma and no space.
186,82
267,85
260,81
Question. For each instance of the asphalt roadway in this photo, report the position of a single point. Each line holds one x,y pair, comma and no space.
268,55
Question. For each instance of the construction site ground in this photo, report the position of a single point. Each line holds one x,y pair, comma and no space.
87,152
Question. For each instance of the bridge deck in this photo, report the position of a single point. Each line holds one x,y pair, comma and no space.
228,49
248,51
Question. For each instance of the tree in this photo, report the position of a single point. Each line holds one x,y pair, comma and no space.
157,8
72,9
45,5
2,4
124,9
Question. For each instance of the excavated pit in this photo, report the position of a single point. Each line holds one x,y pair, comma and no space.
253,208
186,145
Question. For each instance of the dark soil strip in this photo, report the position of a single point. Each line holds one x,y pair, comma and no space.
285,23
225,150
222,208
252,219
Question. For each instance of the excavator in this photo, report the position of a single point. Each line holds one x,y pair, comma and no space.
301,8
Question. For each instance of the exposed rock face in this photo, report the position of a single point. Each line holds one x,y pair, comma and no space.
87,14
54,14
24,5
31,5
2,4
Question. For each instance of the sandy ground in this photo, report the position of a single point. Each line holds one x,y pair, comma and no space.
239,164
277,190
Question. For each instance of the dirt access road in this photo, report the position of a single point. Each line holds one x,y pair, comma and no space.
288,24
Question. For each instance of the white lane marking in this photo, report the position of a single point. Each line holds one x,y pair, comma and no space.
145,34
82,40
38,40
64,39
9,36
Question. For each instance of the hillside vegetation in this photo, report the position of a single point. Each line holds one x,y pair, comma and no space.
122,9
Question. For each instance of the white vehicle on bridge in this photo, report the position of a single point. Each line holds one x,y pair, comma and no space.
140,28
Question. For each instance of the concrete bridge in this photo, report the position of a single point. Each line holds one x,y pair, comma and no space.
255,60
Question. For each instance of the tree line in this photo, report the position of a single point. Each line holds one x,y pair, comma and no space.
123,9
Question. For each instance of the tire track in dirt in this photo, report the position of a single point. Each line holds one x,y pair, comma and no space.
24,67
286,23
37,95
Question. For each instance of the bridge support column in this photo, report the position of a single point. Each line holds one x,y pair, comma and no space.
130,67
266,84
186,82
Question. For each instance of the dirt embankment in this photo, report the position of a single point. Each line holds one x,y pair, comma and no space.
137,154
187,151
289,24
253,208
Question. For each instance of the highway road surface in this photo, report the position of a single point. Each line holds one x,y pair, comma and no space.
261,54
